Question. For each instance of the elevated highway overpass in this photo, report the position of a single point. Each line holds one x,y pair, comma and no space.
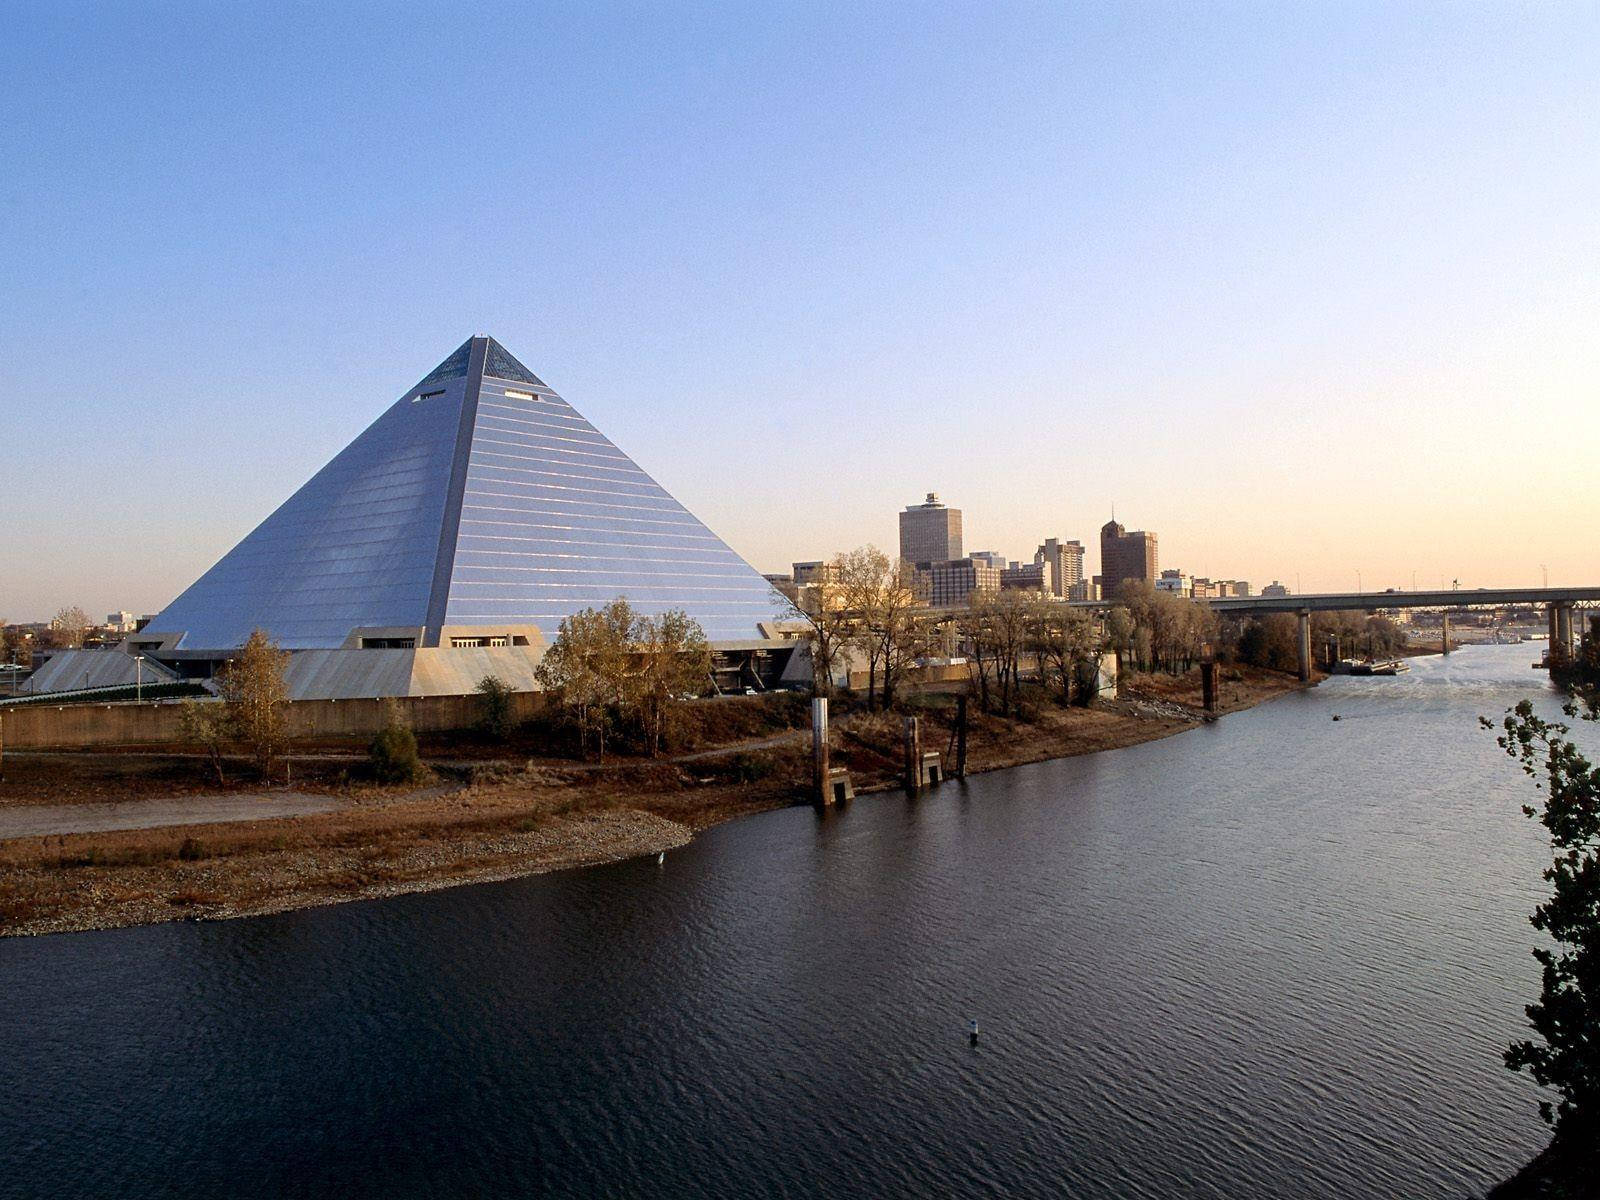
1559,604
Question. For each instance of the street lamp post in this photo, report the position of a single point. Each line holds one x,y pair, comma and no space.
138,678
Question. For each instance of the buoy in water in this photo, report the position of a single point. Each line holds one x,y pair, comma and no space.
1335,716
661,859
972,1032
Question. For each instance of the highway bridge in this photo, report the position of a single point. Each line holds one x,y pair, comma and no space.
1559,604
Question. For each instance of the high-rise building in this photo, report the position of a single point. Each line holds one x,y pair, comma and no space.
951,584
1063,563
1125,555
806,573
1273,590
930,532
991,558
1027,577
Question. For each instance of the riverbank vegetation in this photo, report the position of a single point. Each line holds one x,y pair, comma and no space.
1564,1054
494,809
612,669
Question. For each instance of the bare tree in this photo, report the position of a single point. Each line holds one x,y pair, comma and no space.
253,688
829,624
1065,641
998,627
886,616
67,627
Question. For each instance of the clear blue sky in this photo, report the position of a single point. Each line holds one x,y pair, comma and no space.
1307,289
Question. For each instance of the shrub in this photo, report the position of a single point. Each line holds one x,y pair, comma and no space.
394,755
749,768
190,850
496,716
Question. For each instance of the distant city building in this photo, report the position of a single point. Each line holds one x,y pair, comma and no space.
1063,562
1176,582
1030,577
1218,589
1274,589
1085,589
930,533
951,584
992,558
122,622
806,573
1125,555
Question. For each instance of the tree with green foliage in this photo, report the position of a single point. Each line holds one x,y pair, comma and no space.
1566,1017
253,688
210,726
495,718
393,750
674,659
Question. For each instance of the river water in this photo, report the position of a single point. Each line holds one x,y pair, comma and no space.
1276,956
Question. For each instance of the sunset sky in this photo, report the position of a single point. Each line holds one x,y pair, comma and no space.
1308,290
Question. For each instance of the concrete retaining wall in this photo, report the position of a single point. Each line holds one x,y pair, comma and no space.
74,726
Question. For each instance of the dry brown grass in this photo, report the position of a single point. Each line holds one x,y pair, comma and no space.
504,821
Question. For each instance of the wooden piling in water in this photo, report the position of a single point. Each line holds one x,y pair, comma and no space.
961,737
913,756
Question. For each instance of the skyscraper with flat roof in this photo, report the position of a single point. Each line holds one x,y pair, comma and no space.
1125,555
1063,563
930,532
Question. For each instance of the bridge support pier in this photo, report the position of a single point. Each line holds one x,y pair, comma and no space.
1564,628
1305,645
1555,628
1444,632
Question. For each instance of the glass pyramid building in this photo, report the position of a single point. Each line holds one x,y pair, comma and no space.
479,501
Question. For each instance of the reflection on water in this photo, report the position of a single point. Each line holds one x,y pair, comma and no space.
1274,956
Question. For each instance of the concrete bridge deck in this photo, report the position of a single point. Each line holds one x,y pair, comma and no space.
1559,604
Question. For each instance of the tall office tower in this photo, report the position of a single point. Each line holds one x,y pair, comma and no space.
1063,563
1125,555
930,532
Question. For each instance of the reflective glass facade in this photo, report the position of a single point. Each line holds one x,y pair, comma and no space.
480,498
555,518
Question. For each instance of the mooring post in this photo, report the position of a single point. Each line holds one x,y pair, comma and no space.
913,756
961,736
819,750
1208,683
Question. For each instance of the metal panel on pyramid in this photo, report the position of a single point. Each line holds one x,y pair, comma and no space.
481,498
